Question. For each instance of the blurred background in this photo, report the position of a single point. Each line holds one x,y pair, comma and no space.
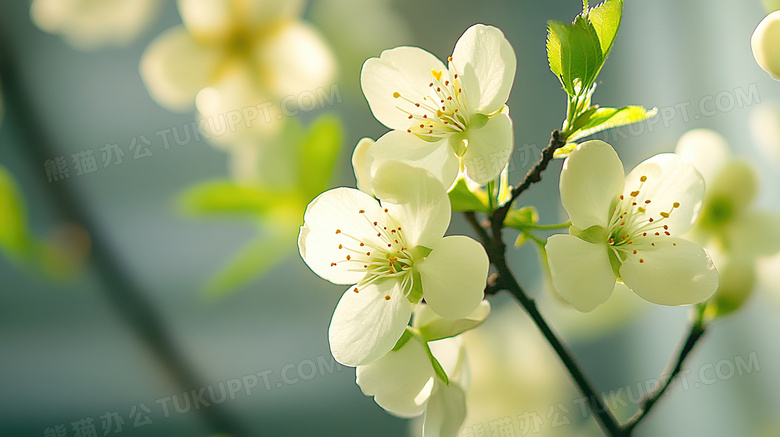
143,287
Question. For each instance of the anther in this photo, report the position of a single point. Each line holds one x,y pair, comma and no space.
396,94
643,179
387,297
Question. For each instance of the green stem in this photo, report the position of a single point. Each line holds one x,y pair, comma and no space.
550,227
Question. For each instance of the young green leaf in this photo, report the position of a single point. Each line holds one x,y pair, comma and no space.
15,236
522,219
253,260
463,199
601,119
606,20
579,51
318,154
229,197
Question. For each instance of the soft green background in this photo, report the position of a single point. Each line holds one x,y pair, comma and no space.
65,355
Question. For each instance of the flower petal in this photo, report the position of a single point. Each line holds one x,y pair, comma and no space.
402,70
764,43
674,272
400,382
446,411
591,179
580,271
318,241
454,275
436,157
486,64
362,177
432,327
298,64
706,149
366,324
175,67
489,149
416,200
216,21
670,179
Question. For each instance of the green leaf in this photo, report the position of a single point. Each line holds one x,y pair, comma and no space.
579,51
253,260
437,368
463,199
15,236
606,118
318,154
405,337
606,20
230,197
522,219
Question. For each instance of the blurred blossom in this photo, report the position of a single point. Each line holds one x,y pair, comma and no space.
765,129
91,24
766,44
242,54
735,233
356,40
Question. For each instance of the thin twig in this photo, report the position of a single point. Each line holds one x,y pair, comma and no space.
697,331
534,175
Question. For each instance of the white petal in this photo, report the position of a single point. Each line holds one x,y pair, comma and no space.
228,110
766,44
436,157
208,20
706,149
299,66
486,64
215,21
416,200
318,242
175,67
489,149
360,167
670,179
446,411
591,179
581,272
432,327
403,70
454,276
366,325
399,381
755,234
674,272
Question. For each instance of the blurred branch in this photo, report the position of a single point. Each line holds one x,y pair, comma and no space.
697,331
119,287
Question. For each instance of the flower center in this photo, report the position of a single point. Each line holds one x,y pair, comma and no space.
631,228
385,255
442,111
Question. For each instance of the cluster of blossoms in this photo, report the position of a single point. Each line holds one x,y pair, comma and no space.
414,289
